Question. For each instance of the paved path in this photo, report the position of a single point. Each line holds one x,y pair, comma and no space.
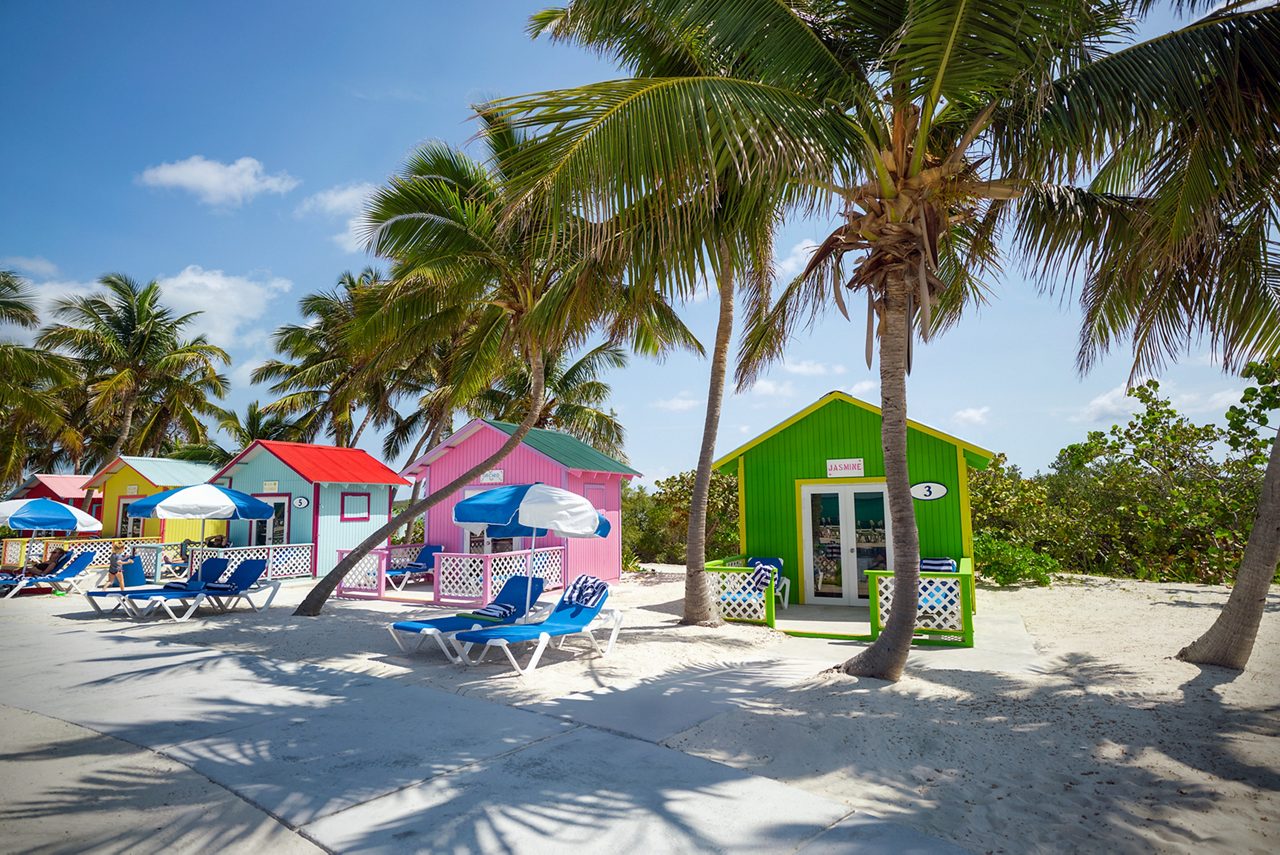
203,750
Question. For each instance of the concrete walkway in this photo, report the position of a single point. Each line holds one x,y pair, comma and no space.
201,750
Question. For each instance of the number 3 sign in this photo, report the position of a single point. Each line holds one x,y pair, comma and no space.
927,491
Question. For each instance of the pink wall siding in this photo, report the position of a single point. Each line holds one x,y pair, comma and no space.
594,556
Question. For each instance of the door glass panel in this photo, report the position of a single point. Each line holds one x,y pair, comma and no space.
828,574
277,523
873,549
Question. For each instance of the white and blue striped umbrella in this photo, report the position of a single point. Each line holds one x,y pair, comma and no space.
45,515
201,502
530,510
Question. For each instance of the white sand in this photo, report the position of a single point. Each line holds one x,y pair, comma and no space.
1093,739
1115,746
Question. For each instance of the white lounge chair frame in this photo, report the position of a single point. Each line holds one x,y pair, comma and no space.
607,617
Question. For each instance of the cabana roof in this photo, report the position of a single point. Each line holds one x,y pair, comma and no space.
976,456
62,486
160,471
572,453
321,464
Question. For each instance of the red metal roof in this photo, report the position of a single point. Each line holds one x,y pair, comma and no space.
328,463
62,486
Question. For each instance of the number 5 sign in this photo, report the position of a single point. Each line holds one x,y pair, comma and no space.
927,491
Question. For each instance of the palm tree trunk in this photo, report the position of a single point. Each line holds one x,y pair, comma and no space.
125,428
363,422
885,658
316,598
1229,642
700,607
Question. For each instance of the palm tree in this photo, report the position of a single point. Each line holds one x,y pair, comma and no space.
130,347
505,287
324,378
1176,242
924,121
32,410
256,423
733,249
574,398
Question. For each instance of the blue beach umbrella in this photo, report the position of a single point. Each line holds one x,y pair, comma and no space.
201,502
530,510
45,515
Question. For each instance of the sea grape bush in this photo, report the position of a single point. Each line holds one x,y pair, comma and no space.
1158,498
654,525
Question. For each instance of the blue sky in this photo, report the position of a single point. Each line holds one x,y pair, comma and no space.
224,149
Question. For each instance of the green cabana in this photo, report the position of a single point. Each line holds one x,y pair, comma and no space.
811,491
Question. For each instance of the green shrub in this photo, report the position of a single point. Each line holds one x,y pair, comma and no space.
1008,563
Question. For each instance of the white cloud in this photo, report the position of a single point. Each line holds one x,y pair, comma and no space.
34,265
971,416
680,403
230,304
215,183
346,200
744,428
1212,403
790,266
1111,406
810,368
863,388
773,389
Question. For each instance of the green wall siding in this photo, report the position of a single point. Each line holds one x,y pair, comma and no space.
840,430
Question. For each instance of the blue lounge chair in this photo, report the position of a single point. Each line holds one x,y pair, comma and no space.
579,612
210,571
135,579
63,580
239,587
424,564
514,594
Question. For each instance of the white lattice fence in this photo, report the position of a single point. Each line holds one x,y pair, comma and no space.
739,598
101,549
548,565
941,604
14,551
459,576
504,566
284,560
403,554
364,578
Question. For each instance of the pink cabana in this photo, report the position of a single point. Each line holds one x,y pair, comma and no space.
545,456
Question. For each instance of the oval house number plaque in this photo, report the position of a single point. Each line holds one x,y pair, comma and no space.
927,491
303,501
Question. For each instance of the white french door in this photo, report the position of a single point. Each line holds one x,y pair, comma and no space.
273,531
845,532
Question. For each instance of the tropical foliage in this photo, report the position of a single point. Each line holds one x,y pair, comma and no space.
655,524
508,290
1150,499
576,398
113,373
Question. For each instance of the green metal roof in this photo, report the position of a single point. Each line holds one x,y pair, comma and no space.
166,472
564,449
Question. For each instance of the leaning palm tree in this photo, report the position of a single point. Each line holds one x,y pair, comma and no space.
505,287
925,122
130,345
575,397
